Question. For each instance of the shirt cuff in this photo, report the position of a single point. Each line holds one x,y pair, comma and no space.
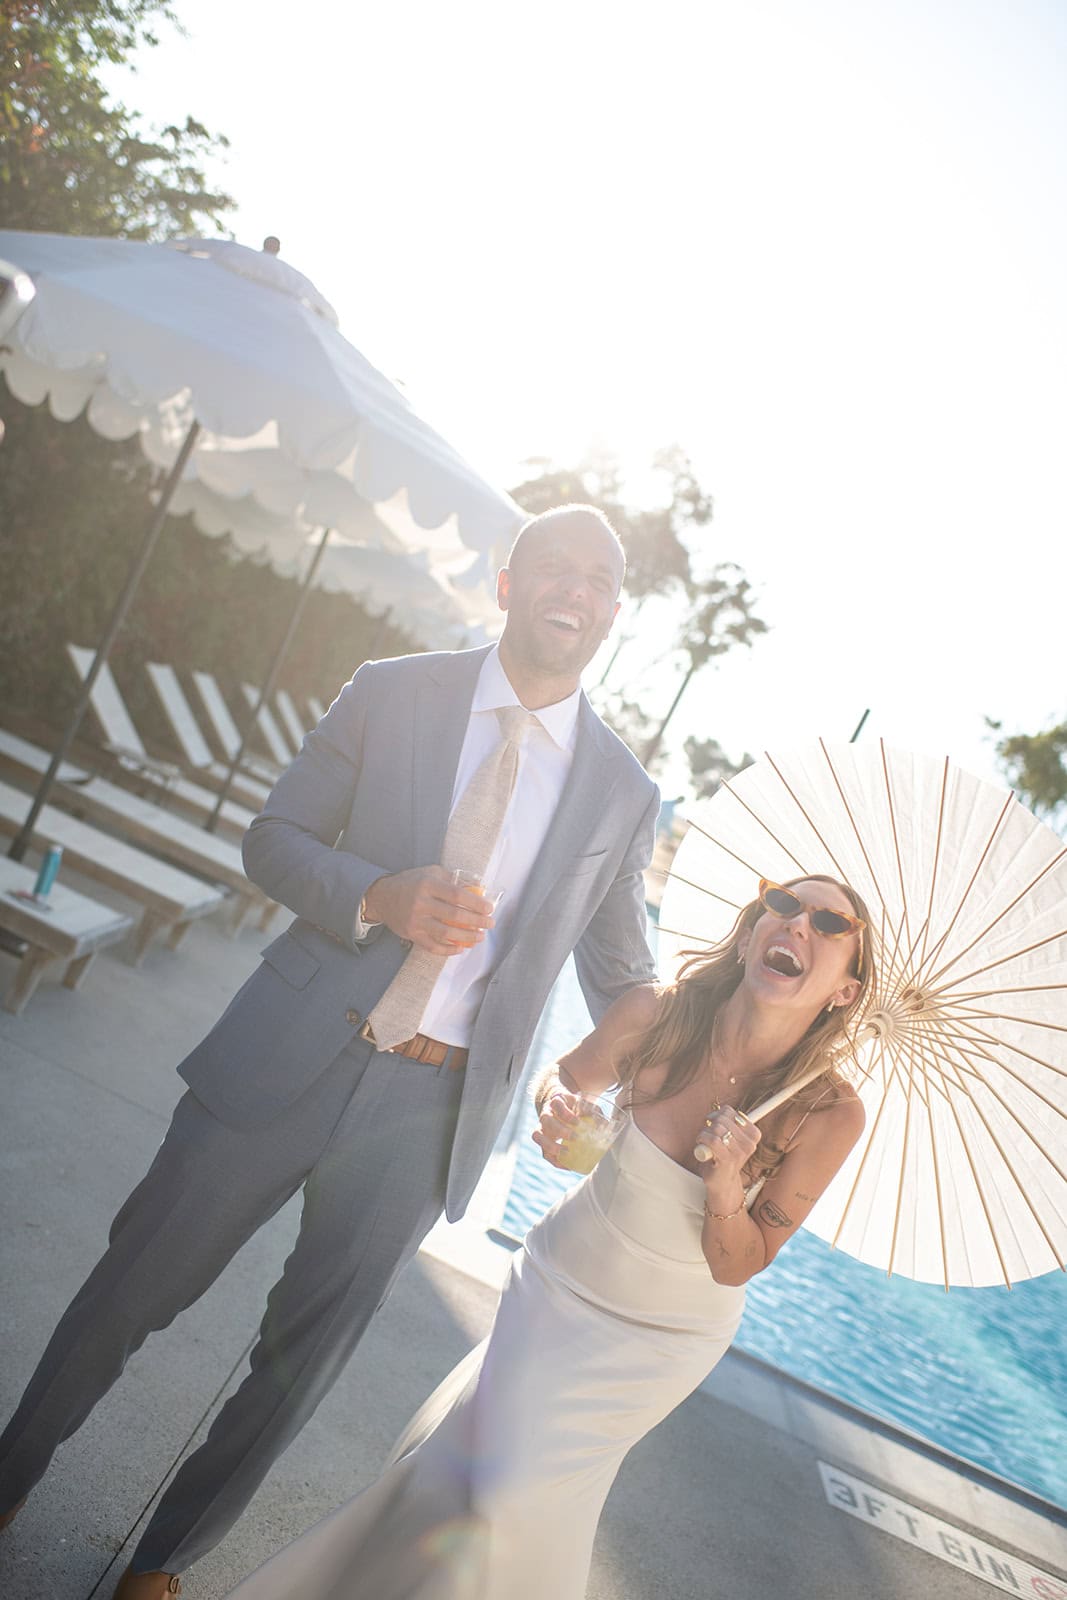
363,929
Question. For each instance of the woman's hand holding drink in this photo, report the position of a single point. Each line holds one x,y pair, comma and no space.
576,1129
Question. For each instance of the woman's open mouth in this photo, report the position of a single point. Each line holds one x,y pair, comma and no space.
783,961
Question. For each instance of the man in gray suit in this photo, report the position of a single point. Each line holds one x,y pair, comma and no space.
289,1089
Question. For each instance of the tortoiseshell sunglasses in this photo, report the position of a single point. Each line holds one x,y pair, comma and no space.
782,902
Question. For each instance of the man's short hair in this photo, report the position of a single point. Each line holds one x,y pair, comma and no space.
566,511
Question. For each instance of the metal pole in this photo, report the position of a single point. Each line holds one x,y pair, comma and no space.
22,839
859,726
267,687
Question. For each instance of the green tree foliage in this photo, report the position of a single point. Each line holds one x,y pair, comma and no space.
658,559
71,161
1035,764
710,766
720,617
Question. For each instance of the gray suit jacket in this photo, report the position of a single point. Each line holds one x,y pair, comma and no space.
369,793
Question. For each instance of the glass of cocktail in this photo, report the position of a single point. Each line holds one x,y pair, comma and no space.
599,1124
462,879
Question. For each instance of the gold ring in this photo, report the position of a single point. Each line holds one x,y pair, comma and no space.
709,1122
740,1119
727,1136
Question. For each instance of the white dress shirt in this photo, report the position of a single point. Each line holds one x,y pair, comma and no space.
545,757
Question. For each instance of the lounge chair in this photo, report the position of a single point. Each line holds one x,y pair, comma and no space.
288,713
226,730
121,739
172,899
166,786
272,736
138,820
190,740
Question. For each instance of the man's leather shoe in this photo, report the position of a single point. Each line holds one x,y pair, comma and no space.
147,1585
9,1516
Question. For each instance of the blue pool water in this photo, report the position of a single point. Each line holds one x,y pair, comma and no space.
981,1372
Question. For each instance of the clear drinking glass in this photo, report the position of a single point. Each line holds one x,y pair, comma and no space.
461,879
599,1124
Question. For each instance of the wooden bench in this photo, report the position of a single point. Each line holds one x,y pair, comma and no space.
172,899
68,926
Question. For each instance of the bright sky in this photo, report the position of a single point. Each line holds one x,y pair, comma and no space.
822,246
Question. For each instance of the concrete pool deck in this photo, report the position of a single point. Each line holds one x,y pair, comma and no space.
758,1486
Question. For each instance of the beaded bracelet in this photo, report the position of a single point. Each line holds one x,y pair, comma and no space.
724,1216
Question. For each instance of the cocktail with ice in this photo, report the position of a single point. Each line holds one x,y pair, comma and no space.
599,1124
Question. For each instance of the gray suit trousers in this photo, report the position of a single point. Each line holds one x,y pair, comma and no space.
369,1141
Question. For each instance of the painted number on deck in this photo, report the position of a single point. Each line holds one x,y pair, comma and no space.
938,1538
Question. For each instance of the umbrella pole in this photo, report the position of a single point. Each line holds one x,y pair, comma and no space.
859,726
271,679
22,839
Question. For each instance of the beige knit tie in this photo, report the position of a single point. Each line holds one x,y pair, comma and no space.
473,829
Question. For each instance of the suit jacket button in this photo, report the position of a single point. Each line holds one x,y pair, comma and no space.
354,1018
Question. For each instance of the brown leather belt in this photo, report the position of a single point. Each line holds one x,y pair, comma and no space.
431,1052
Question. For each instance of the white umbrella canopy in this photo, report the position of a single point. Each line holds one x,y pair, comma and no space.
227,364
961,1053
373,565
422,601
147,338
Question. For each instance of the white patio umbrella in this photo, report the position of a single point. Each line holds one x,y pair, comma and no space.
438,597
960,1176
152,338
369,562
229,367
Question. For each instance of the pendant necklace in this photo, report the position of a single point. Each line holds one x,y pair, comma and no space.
712,1049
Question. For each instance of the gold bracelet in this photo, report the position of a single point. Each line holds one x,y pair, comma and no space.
724,1216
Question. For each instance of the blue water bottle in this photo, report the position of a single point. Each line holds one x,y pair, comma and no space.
46,877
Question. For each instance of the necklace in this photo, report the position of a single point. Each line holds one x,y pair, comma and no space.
712,1051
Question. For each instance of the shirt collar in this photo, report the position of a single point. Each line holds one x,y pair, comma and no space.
560,721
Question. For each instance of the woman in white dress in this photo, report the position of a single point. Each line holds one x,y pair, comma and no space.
626,1294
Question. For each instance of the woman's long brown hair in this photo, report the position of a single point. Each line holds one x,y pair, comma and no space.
682,1032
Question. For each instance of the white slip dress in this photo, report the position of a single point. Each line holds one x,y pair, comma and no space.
608,1319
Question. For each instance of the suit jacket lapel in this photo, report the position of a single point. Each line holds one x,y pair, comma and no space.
580,806
442,711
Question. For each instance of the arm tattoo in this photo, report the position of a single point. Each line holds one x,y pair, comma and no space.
750,1251
774,1216
809,1199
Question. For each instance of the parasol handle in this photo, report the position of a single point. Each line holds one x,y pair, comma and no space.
701,1151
